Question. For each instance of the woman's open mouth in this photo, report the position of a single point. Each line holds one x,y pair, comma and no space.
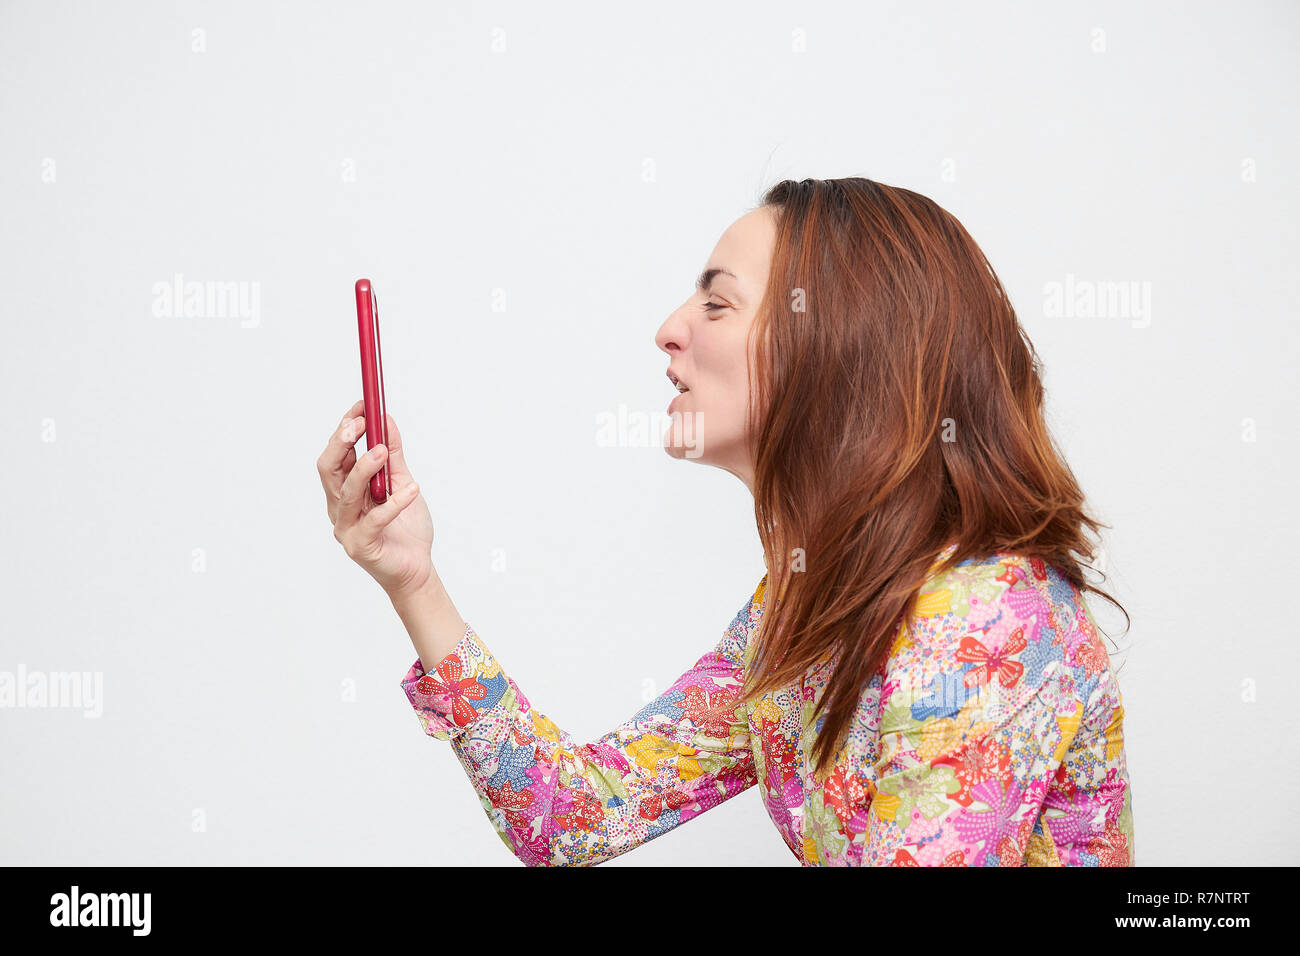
682,388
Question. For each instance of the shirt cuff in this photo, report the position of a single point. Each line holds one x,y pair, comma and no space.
465,685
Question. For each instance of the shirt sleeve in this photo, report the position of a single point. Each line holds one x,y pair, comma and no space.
556,802
1002,736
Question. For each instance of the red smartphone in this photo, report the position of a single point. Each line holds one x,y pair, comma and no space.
372,383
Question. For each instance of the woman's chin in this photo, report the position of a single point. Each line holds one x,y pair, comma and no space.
684,436
678,445
673,449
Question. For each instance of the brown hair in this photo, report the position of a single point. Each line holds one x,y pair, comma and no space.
898,408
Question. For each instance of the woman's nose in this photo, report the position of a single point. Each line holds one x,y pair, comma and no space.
674,334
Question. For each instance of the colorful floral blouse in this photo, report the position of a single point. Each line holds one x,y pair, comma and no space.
992,736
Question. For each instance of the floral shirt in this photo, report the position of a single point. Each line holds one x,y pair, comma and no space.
992,736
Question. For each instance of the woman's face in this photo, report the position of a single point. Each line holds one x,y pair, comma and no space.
706,342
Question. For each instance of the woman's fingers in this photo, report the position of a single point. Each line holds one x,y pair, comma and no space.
345,475
396,459
330,463
353,491
374,521
338,459
357,408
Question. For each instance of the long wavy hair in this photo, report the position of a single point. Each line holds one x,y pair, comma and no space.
898,409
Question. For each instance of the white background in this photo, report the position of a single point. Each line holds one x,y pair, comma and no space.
585,158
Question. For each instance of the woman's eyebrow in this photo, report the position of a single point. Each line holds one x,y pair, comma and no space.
706,278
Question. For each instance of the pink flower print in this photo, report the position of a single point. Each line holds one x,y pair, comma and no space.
604,755
988,827
532,849
1083,818
1111,794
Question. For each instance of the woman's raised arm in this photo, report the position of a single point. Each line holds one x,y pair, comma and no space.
551,800
555,802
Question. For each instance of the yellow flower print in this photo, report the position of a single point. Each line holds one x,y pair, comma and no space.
934,603
939,736
688,768
767,710
902,640
650,750
810,851
1041,851
545,727
1069,724
1115,734
885,806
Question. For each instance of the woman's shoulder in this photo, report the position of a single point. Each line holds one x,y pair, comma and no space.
1005,618
1002,584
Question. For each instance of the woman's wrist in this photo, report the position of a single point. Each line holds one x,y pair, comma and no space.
428,587
431,620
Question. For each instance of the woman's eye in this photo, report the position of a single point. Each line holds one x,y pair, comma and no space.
712,306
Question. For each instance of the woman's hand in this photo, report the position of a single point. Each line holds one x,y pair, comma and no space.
392,541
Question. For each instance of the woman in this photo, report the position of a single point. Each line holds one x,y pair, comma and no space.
929,688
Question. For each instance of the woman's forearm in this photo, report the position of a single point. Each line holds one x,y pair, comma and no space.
432,621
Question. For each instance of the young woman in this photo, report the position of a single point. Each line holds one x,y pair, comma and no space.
917,680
